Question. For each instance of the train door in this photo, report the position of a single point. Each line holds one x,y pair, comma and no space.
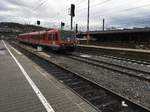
50,39
55,42
44,38
54,39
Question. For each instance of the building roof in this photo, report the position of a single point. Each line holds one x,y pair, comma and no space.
119,31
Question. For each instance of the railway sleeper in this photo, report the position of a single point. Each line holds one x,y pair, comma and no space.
60,74
95,98
111,106
82,87
63,78
77,83
94,93
56,72
73,79
91,91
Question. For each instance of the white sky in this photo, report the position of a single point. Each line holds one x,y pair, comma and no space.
117,13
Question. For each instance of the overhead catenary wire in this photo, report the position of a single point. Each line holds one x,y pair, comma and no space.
81,2
42,3
115,12
101,3
123,10
27,16
128,9
95,5
96,17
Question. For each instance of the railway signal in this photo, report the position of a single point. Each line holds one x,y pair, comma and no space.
38,22
72,14
72,10
62,25
76,28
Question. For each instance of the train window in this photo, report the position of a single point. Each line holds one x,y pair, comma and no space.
55,37
68,36
50,37
42,36
33,36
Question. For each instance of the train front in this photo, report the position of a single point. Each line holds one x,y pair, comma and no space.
68,40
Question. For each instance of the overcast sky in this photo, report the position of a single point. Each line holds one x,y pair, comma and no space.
117,13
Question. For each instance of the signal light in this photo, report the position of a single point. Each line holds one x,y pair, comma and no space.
38,22
62,24
72,10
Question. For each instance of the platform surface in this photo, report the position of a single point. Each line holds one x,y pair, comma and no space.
116,48
17,94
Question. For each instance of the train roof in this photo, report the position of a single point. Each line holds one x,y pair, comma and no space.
48,31
37,32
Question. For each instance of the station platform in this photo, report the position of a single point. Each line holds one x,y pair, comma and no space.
116,48
139,54
26,87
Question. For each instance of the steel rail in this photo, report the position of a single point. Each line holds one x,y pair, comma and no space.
82,85
109,66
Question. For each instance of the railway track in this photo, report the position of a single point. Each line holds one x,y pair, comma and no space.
142,75
103,99
141,62
117,57
125,59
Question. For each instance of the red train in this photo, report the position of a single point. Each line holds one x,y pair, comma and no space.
54,39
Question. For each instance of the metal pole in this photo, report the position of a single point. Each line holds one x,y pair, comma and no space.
76,28
88,17
103,24
71,22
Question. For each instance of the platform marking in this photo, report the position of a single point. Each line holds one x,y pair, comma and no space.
32,84
16,50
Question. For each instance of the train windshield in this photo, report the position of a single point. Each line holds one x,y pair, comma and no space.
68,36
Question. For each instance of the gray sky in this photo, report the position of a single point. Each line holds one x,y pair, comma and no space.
117,13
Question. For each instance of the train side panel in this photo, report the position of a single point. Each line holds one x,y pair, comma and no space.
52,39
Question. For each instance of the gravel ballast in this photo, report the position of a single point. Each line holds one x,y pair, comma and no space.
130,87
